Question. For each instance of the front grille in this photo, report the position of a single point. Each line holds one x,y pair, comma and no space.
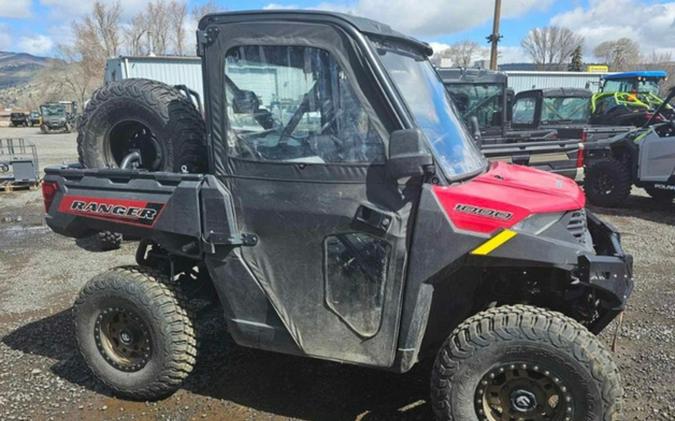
576,225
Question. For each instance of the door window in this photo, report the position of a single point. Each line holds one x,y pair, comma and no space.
356,270
523,111
295,104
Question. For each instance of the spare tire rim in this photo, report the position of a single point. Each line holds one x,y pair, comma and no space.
123,339
130,136
522,391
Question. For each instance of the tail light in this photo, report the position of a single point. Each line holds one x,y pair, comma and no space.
49,190
580,156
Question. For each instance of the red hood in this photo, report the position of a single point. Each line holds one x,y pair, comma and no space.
505,195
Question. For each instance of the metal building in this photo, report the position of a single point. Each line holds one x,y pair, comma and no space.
170,70
187,71
522,80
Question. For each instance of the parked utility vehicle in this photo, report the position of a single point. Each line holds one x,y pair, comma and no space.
644,157
58,116
630,98
18,120
565,110
344,213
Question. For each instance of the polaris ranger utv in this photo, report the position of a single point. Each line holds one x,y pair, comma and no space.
565,110
483,100
343,213
644,157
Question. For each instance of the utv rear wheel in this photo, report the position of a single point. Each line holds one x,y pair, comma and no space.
144,116
665,196
134,332
522,362
607,182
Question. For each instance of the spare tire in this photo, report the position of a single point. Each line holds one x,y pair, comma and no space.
144,116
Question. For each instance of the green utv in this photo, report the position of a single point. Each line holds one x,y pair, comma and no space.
644,157
331,204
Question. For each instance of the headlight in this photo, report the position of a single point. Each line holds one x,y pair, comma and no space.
538,222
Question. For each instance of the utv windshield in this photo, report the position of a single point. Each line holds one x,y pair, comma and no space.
558,110
646,86
483,101
53,111
422,90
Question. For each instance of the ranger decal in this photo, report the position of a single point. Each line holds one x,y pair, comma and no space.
134,212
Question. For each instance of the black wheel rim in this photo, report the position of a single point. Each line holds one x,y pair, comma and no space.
603,185
123,339
127,137
523,392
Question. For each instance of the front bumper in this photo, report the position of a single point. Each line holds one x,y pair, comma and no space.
609,271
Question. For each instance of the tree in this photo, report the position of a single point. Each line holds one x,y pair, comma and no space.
98,34
133,35
463,53
69,77
551,46
620,54
576,63
200,11
158,26
177,11
97,37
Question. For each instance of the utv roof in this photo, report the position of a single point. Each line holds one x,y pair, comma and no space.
461,75
649,74
561,92
364,25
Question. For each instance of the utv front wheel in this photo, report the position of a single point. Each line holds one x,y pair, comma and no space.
134,333
607,182
522,362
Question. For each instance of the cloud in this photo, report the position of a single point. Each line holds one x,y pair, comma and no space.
434,17
5,38
36,44
438,46
15,8
70,9
512,54
651,25
276,6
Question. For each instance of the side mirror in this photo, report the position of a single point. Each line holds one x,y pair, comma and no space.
408,154
245,102
475,131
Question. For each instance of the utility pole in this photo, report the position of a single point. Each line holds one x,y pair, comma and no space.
494,37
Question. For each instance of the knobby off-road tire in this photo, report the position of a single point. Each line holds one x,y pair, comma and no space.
146,116
155,310
522,343
664,196
607,182
106,240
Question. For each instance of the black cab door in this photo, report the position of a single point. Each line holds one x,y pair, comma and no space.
526,110
300,141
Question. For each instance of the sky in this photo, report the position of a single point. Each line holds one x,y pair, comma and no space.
38,26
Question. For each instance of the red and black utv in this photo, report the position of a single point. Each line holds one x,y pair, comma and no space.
342,213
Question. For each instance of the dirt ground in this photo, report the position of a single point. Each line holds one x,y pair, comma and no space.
42,376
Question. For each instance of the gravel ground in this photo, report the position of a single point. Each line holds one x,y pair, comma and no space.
43,377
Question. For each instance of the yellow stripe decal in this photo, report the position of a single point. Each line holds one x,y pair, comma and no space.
490,245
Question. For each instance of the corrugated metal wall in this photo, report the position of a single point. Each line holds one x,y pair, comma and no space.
524,80
170,70
187,71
